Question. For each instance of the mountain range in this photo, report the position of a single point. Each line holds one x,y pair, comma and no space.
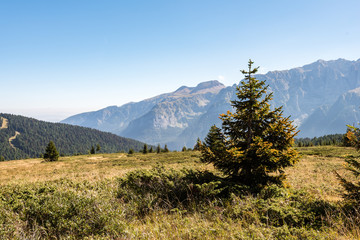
321,98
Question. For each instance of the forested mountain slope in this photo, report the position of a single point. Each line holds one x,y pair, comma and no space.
22,137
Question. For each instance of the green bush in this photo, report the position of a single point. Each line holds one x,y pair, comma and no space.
61,210
277,206
168,189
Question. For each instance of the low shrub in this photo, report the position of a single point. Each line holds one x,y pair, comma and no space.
168,189
58,210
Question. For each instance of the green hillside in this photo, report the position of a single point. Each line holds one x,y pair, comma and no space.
23,137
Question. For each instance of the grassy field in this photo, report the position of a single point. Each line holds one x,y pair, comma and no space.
94,197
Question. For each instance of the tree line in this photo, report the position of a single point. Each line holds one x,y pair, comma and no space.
331,139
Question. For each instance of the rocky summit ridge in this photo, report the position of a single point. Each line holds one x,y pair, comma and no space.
321,98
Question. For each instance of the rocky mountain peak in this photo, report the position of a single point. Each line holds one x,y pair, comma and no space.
321,98
209,86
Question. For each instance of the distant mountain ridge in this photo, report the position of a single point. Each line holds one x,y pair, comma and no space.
23,137
311,95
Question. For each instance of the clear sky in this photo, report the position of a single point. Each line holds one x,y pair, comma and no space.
59,58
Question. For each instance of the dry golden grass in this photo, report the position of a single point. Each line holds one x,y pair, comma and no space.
313,173
93,167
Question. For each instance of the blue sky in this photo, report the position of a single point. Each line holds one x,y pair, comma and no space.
58,58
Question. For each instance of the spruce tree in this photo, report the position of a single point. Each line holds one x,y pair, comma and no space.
158,148
51,154
166,148
255,143
145,149
352,188
197,145
92,150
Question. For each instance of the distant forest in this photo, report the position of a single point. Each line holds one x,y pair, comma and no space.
331,139
69,140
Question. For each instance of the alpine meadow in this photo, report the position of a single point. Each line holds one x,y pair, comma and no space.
208,120
246,180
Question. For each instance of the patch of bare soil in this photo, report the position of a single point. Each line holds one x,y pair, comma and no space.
5,123
12,138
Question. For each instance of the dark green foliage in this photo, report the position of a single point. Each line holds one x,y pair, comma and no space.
197,145
158,149
145,149
331,139
255,144
168,189
166,148
352,188
278,206
131,151
70,140
187,190
2,159
51,154
184,149
92,150
98,148
58,211
151,150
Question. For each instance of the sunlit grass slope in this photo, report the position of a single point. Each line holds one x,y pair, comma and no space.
83,197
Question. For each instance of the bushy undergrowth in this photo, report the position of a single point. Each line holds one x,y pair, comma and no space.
189,190
56,210
168,204
168,189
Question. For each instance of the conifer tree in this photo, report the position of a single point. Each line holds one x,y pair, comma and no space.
158,148
197,145
151,150
92,150
352,188
51,154
166,148
98,148
145,149
255,143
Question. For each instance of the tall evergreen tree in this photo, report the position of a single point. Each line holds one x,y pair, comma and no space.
166,148
255,143
51,154
145,149
158,148
92,150
352,188
197,145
